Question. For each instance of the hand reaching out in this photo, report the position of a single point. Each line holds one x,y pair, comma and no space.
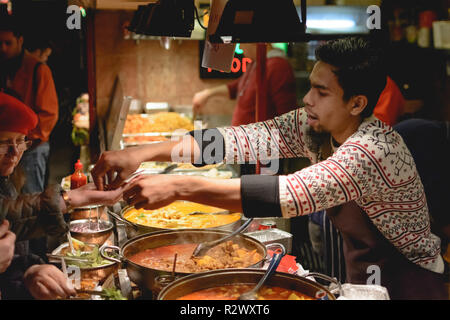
47,282
7,241
88,195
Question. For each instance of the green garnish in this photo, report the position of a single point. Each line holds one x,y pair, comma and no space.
94,257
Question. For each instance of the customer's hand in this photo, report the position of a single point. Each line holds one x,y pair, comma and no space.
117,166
7,241
47,282
89,195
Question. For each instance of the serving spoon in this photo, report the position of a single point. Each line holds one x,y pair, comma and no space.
203,247
253,294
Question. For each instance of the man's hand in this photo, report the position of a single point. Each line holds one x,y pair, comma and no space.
117,166
7,241
88,194
47,282
154,191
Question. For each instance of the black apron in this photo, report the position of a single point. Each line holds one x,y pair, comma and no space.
364,245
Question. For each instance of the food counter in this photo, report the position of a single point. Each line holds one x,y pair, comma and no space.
122,252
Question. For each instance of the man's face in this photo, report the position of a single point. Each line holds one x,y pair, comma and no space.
10,45
324,103
10,159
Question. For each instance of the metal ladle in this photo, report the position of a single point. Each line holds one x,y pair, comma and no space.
203,247
253,294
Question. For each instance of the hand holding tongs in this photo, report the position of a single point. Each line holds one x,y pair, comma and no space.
203,247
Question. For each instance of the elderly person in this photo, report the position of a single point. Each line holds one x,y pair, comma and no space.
32,215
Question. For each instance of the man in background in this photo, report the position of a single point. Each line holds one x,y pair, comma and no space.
41,49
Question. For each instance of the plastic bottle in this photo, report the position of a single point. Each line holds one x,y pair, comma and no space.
78,178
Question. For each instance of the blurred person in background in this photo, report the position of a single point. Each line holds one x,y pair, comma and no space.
41,49
31,81
281,90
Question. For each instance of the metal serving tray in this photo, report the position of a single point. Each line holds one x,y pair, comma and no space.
274,235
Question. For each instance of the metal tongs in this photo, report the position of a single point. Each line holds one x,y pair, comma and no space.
59,257
212,213
203,247
146,172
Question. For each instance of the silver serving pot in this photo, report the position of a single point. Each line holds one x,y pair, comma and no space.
133,229
217,278
144,277
89,212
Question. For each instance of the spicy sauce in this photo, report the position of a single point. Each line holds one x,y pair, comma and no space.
78,178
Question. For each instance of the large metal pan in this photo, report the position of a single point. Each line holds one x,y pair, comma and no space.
216,278
145,277
132,229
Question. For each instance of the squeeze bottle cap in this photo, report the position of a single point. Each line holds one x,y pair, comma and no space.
78,165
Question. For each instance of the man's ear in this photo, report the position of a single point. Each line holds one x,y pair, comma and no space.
358,104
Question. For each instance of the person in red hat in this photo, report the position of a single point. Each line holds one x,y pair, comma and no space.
28,216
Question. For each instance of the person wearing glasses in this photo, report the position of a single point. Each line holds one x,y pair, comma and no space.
30,216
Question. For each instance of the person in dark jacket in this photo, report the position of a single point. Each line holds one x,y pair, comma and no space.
30,216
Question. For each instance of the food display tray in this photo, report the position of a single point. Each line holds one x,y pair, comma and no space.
274,235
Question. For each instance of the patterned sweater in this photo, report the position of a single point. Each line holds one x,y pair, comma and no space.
373,167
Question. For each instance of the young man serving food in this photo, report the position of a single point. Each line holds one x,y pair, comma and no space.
362,173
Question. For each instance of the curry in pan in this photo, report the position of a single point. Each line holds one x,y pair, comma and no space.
223,256
232,292
177,215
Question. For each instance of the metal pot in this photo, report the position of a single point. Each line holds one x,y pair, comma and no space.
93,237
132,229
145,277
89,212
216,278
96,274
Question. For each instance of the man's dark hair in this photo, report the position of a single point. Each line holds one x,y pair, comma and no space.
37,43
12,24
358,67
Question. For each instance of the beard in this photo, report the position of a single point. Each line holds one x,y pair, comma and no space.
316,138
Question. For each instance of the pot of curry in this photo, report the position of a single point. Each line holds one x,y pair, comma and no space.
230,284
176,216
160,253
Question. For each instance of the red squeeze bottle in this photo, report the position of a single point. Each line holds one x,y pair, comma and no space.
78,178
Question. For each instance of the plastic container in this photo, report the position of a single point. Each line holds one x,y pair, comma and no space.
78,178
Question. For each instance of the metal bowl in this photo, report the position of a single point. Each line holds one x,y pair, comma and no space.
94,274
132,229
145,277
92,236
89,212
216,278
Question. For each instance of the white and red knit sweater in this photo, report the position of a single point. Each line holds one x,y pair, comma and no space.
373,167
